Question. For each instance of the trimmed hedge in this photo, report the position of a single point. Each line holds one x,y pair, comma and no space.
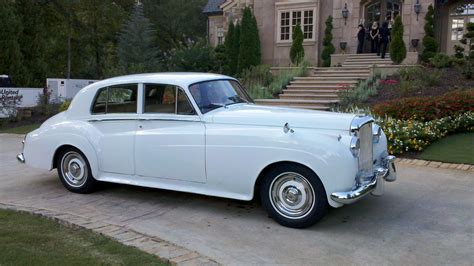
428,108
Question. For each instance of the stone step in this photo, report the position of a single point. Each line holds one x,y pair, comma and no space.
323,69
287,96
368,64
368,60
324,82
324,77
300,106
319,87
310,91
330,75
364,55
296,102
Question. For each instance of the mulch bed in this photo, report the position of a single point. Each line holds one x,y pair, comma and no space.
37,117
451,79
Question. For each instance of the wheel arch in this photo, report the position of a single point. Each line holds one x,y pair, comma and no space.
84,147
266,169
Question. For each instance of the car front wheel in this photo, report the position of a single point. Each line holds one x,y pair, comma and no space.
74,171
293,195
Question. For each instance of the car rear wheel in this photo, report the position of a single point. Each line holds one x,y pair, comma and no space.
293,195
74,171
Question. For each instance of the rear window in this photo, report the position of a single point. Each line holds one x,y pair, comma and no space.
116,99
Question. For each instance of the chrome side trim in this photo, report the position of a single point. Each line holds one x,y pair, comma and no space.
140,119
20,158
386,172
360,121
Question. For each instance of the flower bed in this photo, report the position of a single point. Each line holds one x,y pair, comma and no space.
428,108
414,136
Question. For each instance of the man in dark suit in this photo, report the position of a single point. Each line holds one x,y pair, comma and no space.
384,34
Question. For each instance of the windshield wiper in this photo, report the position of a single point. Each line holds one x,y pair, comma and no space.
212,106
236,99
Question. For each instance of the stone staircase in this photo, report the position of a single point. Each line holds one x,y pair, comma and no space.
320,89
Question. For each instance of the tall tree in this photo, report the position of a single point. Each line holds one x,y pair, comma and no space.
250,54
297,49
328,49
176,21
11,60
136,50
430,45
398,50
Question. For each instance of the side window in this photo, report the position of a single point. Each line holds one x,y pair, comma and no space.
116,99
166,99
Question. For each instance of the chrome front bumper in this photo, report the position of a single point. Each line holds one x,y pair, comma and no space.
20,158
385,172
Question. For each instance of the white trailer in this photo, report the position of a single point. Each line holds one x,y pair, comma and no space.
66,89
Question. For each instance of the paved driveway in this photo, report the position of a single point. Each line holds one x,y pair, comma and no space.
425,218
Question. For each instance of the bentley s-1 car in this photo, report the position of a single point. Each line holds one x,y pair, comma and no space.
202,133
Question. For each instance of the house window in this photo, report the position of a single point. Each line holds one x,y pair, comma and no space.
308,24
457,29
285,26
220,35
289,20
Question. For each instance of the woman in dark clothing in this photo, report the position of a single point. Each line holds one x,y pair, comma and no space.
374,37
360,38
384,34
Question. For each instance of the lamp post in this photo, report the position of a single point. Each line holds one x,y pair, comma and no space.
417,8
345,13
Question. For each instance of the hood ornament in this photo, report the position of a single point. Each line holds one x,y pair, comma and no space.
286,128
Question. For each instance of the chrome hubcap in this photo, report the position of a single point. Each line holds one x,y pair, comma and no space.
74,169
292,195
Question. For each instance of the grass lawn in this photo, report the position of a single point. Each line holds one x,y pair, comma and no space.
30,240
457,148
21,129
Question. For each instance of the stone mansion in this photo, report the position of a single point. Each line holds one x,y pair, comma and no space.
276,19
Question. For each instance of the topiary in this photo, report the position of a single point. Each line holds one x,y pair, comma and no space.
250,54
297,49
398,50
327,43
430,45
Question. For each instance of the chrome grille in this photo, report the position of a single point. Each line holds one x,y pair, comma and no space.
365,154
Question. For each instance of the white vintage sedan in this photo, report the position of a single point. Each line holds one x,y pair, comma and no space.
202,133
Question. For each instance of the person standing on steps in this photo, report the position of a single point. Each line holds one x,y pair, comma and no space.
360,38
374,38
384,34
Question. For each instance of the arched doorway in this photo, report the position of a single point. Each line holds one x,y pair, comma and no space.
381,10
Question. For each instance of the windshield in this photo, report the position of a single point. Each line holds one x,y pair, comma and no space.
210,95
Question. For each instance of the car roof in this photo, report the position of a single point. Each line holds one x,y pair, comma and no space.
172,78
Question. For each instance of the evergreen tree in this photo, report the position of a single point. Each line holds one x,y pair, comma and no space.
11,60
297,49
232,46
250,54
136,51
328,49
398,50
468,39
430,46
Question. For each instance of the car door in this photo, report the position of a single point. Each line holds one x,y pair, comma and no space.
114,116
170,138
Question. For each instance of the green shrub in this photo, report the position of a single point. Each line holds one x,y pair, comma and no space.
398,50
350,97
459,51
428,108
441,61
284,78
297,49
416,78
64,106
328,49
232,46
430,45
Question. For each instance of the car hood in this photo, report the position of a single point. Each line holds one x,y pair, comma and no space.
251,114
